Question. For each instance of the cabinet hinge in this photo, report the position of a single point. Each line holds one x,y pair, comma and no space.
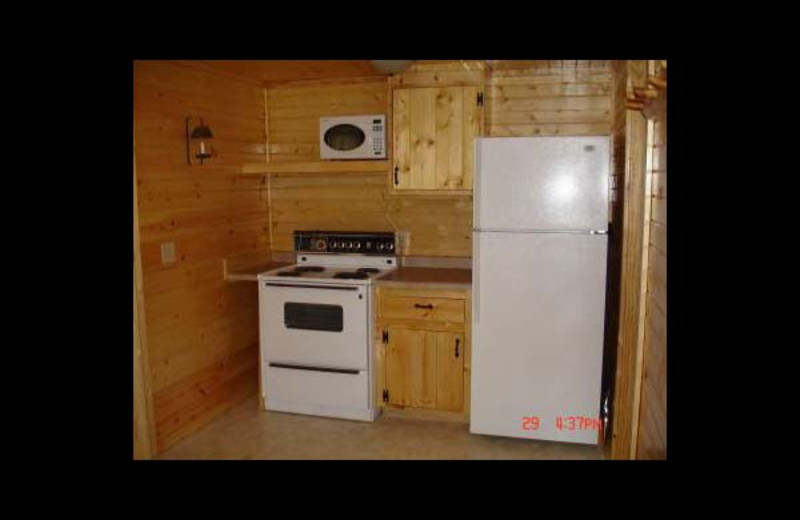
386,336
480,99
385,395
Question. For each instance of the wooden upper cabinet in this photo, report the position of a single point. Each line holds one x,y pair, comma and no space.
434,133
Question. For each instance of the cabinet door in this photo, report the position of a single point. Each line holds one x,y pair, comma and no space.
425,369
434,134
449,370
410,368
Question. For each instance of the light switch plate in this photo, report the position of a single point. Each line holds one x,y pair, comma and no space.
167,253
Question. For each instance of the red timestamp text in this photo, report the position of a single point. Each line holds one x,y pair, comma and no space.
572,423
530,423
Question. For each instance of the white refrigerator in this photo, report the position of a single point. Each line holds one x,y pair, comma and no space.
539,281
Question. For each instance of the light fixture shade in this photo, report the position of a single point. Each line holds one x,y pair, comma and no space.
202,132
390,66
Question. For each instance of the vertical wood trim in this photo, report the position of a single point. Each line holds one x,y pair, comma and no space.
456,141
428,361
471,127
637,387
379,349
268,152
486,82
402,129
144,424
624,383
389,142
467,352
444,122
269,213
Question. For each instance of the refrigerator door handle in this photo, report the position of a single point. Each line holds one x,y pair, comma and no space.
598,232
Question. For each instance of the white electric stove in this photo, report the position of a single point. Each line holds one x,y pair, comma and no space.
316,324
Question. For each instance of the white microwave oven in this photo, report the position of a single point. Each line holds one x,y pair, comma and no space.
352,137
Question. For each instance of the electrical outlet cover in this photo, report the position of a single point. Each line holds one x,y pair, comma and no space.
167,252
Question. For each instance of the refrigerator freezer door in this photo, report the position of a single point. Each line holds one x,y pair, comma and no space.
541,183
538,318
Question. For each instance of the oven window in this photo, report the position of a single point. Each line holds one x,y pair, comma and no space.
313,316
344,137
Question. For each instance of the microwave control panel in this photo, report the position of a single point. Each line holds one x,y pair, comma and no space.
378,141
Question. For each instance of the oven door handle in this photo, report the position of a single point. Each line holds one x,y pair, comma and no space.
300,286
315,369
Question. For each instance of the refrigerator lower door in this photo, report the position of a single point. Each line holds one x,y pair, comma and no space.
537,335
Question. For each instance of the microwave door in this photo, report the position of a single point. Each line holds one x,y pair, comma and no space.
344,137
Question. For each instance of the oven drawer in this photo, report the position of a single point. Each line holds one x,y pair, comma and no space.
305,389
422,308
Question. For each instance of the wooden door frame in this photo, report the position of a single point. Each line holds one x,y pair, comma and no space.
144,426
635,261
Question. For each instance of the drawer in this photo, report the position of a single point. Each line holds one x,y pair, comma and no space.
422,308
342,394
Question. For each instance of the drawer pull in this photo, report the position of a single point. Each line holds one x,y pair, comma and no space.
421,306
457,341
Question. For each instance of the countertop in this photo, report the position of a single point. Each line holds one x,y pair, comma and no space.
427,277
410,277
250,274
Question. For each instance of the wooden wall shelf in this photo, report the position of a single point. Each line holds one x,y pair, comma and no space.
318,167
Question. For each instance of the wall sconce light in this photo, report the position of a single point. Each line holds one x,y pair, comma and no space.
197,141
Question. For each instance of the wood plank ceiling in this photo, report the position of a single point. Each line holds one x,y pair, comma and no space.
273,72
270,72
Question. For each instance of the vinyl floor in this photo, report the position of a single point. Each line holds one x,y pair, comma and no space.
246,432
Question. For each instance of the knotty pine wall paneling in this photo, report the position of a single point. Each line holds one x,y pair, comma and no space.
639,409
652,431
522,98
438,226
202,332
567,97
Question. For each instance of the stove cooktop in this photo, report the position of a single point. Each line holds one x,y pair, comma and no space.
320,257
307,272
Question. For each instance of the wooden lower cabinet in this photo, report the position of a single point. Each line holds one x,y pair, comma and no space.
425,368
425,359
449,369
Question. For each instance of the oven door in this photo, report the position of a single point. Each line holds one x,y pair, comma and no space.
315,325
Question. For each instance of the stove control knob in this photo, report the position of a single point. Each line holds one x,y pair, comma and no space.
368,245
320,245
357,245
380,246
349,245
389,246
334,245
